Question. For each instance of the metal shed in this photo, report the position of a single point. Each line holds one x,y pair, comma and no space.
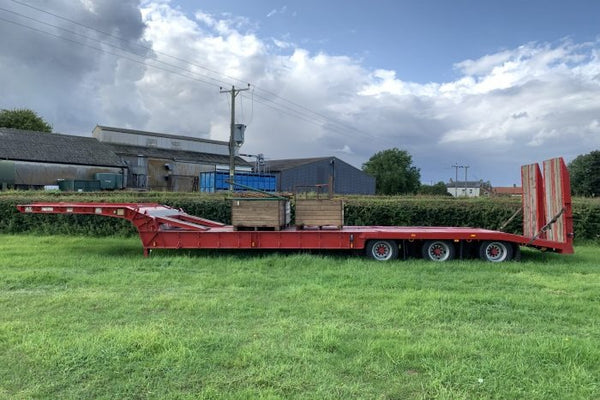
166,169
163,161
36,159
346,178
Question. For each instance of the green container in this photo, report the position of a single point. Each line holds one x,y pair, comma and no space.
87,186
7,173
66,185
78,185
109,181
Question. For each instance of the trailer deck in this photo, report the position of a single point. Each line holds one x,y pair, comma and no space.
163,227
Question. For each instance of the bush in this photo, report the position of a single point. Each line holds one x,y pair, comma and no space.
12,221
488,213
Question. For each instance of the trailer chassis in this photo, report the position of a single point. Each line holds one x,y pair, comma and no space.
163,227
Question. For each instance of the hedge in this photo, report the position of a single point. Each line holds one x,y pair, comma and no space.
489,213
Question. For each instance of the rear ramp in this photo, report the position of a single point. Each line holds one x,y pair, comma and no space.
547,208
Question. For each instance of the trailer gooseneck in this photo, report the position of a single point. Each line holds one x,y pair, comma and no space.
547,225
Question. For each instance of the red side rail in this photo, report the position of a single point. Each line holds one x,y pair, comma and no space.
146,217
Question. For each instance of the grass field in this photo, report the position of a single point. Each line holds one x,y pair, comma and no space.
91,318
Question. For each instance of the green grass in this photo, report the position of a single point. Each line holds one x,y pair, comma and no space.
91,318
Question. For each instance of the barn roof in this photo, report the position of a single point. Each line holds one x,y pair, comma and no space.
20,145
282,165
177,155
509,191
157,134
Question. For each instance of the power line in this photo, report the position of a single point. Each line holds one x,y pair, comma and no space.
265,101
293,109
94,40
325,117
122,40
107,52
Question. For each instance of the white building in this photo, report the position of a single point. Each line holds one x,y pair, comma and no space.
468,188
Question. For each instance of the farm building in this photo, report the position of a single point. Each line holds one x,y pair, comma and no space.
346,179
152,161
508,191
161,161
468,188
32,160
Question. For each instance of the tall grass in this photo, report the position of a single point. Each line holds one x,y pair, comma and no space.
92,318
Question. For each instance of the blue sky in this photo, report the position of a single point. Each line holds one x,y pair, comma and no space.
420,39
489,84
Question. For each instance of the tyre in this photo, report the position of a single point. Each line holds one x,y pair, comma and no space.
516,252
382,250
438,250
495,251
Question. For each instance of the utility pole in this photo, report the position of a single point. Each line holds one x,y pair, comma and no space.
234,92
456,167
466,167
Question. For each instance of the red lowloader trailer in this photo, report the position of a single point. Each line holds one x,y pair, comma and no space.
547,225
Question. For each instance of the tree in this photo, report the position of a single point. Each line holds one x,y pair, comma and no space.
584,171
439,189
393,172
23,119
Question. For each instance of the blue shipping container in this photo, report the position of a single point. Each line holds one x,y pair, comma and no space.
217,180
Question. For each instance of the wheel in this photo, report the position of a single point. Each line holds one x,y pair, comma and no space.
495,251
382,250
438,250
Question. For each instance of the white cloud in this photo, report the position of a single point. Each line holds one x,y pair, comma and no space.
518,105
275,11
345,150
89,5
282,44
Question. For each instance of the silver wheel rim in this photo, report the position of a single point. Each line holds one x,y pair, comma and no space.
438,251
381,251
496,251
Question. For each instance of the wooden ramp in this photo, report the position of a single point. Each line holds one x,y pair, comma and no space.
547,210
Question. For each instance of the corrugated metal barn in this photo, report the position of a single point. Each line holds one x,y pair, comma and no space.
36,159
160,161
154,161
313,171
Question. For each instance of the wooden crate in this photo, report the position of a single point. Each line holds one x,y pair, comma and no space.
319,213
260,214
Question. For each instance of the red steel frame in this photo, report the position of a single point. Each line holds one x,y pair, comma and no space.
162,227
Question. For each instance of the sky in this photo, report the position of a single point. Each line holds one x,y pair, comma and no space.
486,84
